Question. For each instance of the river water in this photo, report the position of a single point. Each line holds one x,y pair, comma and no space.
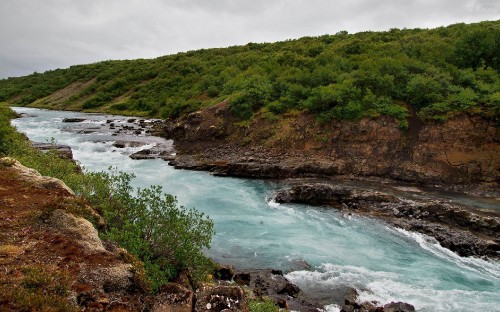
384,263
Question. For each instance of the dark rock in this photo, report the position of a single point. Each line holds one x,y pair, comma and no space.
64,151
122,144
351,296
173,297
399,307
282,304
301,264
220,298
277,272
73,119
368,306
322,194
347,308
144,154
290,290
242,279
225,273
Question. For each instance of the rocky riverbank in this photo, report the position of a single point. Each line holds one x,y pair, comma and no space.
52,256
460,154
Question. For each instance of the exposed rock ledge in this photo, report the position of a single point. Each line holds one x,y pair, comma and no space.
456,228
461,153
64,151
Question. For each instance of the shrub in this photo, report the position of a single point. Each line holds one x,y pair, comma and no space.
264,305
167,237
423,91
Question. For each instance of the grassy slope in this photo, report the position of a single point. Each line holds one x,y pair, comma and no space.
438,72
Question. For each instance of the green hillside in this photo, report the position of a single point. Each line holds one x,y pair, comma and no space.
437,73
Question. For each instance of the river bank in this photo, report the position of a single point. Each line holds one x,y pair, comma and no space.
460,154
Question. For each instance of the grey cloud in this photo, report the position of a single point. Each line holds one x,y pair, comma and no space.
41,35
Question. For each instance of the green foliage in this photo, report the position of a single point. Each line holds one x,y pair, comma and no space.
479,48
264,305
341,76
424,91
6,131
168,238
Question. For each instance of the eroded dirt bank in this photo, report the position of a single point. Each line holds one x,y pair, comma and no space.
459,154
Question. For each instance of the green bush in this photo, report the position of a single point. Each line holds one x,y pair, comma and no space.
6,131
424,91
168,238
264,305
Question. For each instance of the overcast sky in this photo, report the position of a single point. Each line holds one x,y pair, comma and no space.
37,35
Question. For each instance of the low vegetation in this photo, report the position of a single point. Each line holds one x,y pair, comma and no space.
263,305
40,289
436,73
166,237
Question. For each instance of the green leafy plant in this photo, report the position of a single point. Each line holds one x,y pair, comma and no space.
263,305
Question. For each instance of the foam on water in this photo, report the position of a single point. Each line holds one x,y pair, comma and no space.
386,287
320,248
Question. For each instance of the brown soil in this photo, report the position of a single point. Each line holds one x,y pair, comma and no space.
30,243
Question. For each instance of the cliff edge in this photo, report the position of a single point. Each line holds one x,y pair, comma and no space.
460,152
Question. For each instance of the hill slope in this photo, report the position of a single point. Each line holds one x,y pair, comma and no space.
437,73
416,105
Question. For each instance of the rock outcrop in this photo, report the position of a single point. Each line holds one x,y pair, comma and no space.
39,219
33,177
64,151
460,152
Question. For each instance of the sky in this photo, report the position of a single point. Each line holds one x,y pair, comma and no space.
39,35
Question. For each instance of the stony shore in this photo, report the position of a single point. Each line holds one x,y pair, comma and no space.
45,230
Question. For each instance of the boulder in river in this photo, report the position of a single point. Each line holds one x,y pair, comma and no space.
73,119
399,307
